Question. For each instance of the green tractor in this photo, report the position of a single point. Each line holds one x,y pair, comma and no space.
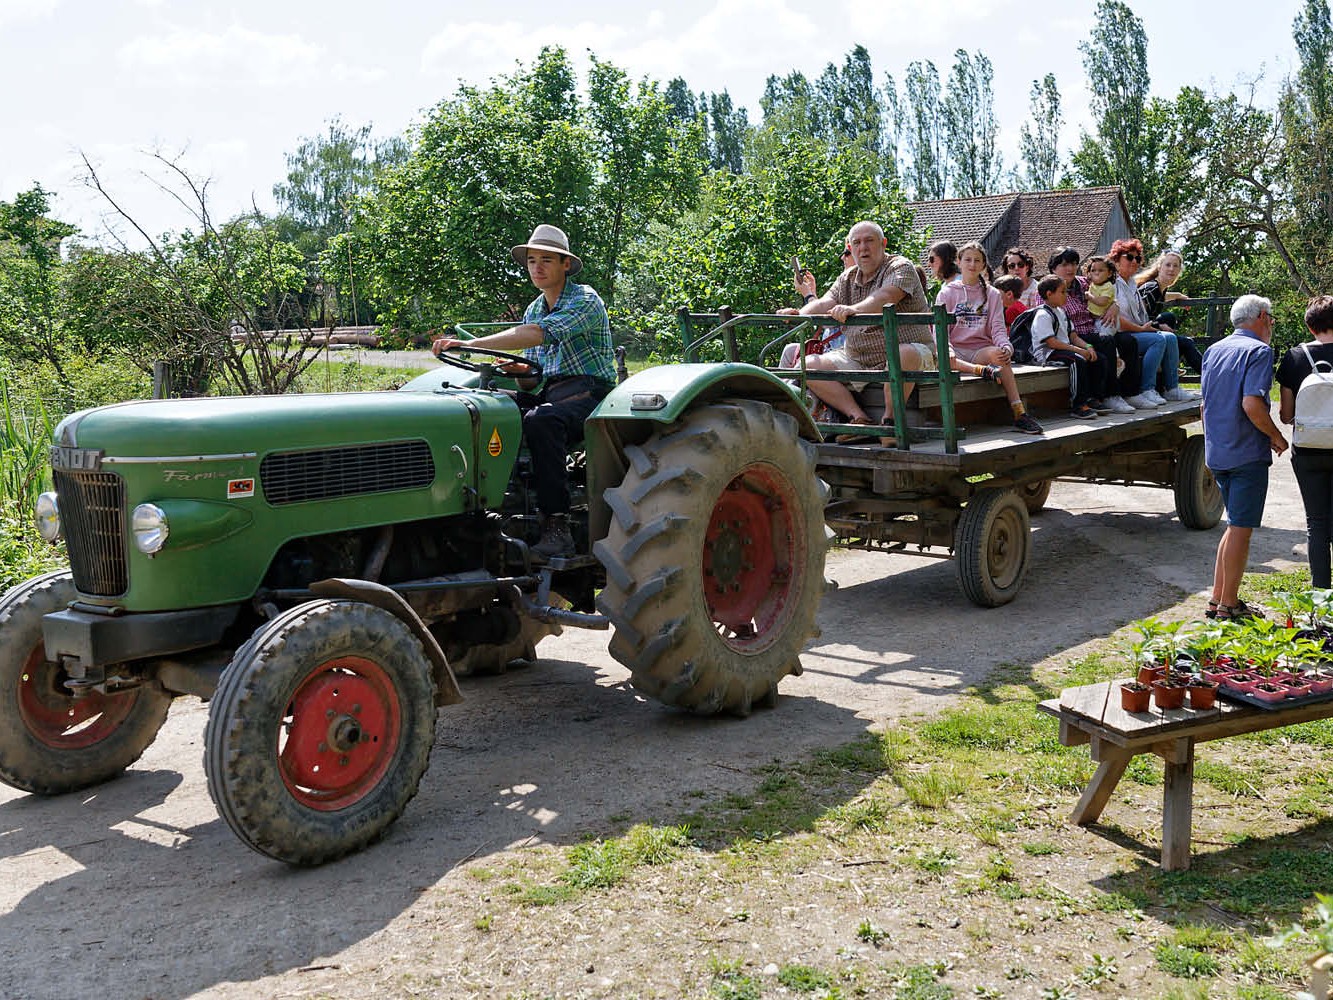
321,568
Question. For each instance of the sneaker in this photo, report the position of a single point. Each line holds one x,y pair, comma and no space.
1153,396
556,541
1141,402
1082,413
1179,395
1027,425
1118,404
1100,406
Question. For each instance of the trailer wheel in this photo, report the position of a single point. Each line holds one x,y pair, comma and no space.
991,547
1198,500
1035,495
320,731
715,557
50,741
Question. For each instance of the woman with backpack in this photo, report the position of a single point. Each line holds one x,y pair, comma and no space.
1309,408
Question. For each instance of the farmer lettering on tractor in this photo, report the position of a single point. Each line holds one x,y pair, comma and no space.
567,332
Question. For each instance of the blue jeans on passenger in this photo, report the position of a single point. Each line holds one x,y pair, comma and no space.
1159,349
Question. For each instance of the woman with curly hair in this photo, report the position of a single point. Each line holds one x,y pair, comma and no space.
1018,262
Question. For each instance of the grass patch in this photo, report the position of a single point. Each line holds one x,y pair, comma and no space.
1185,963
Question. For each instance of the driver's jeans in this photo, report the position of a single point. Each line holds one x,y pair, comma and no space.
552,425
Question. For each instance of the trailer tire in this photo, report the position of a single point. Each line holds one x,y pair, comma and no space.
1198,500
1035,495
51,742
320,731
991,547
715,557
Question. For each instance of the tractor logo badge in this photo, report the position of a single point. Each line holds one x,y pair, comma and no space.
495,446
240,488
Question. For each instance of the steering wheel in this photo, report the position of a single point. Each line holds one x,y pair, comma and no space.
529,368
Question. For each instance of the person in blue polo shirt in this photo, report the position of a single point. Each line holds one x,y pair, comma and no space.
567,332
1240,440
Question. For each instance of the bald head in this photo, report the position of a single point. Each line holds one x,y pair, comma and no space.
866,240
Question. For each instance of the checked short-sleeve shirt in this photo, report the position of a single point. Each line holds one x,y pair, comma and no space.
576,335
865,344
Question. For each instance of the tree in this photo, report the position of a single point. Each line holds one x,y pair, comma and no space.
927,168
326,175
736,248
200,299
1116,62
968,114
1305,115
648,162
31,318
730,125
1039,137
490,163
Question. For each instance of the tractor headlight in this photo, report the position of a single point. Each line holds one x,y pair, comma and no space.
47,511
150,529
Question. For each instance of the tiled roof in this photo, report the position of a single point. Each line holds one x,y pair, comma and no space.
961,220
1038,221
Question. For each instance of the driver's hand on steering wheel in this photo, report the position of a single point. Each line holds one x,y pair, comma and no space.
444,344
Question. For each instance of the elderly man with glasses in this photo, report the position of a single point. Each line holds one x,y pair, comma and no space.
1240,440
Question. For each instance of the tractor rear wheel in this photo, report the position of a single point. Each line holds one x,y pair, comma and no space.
715,557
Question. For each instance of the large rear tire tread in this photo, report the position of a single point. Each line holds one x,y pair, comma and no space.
1198,500
257,703
50,742
992,546
669,624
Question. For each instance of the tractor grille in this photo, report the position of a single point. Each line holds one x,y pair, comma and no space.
92,517
297,476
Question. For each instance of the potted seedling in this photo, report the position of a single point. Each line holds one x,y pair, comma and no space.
1297,607
1202,693
1134,696
1169,692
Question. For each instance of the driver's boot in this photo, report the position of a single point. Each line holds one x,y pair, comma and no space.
556,541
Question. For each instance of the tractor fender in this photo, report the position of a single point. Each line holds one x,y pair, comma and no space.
446,685
646,401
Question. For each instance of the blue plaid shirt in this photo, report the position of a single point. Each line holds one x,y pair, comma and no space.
576,335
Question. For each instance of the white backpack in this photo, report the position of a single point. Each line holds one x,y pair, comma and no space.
1313,427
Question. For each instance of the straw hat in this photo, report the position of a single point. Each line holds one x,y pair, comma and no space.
546,237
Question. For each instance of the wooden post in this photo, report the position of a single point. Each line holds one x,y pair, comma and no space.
729,334
1178,807
162,388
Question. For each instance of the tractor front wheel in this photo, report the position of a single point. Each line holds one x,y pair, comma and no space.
320,731
53,741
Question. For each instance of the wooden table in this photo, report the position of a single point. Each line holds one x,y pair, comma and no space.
1092,714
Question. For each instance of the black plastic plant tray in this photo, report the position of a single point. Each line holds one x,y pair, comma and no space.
1245,698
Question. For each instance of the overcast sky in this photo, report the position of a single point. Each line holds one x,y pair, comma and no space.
230,88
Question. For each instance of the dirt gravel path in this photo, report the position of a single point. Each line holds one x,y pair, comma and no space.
137,889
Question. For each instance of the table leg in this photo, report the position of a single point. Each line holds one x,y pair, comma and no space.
1099,789
1178,809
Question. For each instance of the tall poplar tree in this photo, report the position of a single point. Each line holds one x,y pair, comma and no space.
1039,138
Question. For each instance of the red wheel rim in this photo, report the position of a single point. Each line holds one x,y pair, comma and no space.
751,558
59,720
340,733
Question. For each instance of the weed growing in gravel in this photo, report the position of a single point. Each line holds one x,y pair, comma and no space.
1185,963
804,978
921,982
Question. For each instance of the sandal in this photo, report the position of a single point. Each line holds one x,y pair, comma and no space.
991,373
854,438
1238,612
1212,610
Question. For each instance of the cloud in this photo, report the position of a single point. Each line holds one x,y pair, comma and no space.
16,11
238,55
476,51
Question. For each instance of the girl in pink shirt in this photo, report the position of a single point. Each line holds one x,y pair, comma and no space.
979,337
